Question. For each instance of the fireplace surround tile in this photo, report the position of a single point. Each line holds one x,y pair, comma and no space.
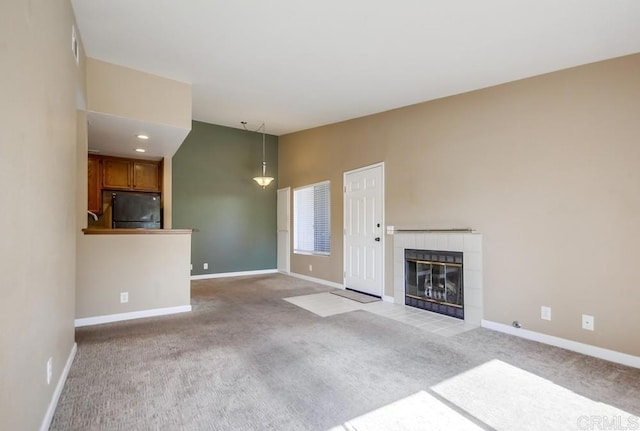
472,278
472,315
398,297
472,260
398,255
430,242
473,297
455,242
472,242
406,240
442,242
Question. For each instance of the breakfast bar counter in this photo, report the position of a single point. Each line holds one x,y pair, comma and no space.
136,231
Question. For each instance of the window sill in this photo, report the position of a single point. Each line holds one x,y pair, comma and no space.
311,253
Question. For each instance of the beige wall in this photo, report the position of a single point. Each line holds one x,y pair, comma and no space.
129,93
153,269
41,88
545,168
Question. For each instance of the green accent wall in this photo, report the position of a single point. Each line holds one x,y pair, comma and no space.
214,193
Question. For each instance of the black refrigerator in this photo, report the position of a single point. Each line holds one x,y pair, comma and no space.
133,210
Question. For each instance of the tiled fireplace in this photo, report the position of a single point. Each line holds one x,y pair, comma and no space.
434,281
423,245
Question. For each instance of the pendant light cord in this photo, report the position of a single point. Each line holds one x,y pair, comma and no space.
264,157
264,132
264,180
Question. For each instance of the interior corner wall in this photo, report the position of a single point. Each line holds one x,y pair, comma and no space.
167,195
42,90
546,168
234,219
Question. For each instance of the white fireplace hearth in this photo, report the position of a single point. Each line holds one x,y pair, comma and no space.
467,242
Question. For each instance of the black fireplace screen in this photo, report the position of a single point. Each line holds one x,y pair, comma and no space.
433,281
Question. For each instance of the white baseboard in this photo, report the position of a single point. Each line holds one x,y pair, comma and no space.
234,274
585,349
387,298
48,417
132,315
317,280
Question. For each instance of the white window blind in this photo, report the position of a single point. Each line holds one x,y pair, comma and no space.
311,219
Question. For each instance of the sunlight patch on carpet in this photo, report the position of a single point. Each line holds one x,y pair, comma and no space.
506,397
419,411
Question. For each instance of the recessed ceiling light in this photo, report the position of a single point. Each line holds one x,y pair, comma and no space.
144,137
141,150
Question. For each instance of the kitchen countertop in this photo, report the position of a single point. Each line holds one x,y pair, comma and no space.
137,231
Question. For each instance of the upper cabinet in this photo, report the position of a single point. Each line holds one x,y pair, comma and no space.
116,173
146,175
130,174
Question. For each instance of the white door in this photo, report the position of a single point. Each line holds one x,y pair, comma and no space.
284,241
363,227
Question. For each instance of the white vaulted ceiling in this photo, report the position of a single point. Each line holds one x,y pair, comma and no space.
300,64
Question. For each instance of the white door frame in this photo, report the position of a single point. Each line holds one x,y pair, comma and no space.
287,256
344,218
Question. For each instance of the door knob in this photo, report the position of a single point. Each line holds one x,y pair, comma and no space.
378,239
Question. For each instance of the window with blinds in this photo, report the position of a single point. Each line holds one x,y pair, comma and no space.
311,219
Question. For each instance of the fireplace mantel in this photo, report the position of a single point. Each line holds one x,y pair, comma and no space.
464,240
391,230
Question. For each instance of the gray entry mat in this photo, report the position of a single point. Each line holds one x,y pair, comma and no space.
356,296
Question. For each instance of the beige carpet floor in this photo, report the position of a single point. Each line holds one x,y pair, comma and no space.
245,359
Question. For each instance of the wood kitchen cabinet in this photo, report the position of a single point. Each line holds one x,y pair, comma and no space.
130,174
146,176
116,174
94,177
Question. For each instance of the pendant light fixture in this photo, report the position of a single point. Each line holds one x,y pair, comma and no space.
264,180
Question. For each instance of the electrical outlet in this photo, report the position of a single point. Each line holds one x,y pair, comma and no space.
124,297
49,370
545,313
588,322
206,266
310,268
